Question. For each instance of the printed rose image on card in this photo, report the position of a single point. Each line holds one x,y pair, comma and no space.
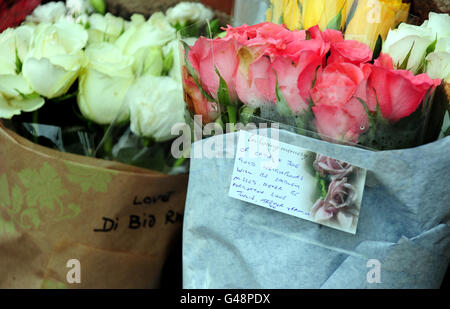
297,182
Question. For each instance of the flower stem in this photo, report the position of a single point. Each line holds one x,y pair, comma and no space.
108,144
179,162
232,114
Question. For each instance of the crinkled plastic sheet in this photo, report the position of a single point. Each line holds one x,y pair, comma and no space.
404,223
126,147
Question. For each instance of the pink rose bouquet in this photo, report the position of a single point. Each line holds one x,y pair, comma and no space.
316,79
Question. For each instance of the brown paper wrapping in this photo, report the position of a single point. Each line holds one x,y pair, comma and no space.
55,207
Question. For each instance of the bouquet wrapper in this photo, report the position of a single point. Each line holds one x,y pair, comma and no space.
403,223
118,221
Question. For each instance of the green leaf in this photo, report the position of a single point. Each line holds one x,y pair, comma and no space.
378,48
404,64
423,62
189,30
300,6
223,93
31,96
351,13
282,105
213,28
432,47
19,63
99,6
336,22
322,186
168,63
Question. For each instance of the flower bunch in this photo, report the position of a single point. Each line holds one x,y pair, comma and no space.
330,85
72,58
362,20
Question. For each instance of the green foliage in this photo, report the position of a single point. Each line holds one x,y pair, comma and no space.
336,22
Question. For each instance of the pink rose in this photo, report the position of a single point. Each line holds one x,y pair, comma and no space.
207,54
350,51
339,115
329,166
336,125
332,36
295,80
196,102
255,80
398,92
268,39
340,196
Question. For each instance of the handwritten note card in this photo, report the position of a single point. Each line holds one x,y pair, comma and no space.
297,182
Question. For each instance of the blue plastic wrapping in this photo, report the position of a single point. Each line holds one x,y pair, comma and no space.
403,224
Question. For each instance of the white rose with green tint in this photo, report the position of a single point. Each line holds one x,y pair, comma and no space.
55,58
156,104
155,32
188,12
422,42
103,83
105,28
48,13
16,94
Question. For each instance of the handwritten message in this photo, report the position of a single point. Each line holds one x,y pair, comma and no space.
282,177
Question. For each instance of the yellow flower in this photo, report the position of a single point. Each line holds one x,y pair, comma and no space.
288,12
324,13
292,14
275,12
373,18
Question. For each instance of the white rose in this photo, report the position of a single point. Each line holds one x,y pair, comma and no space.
105,28
48,13
148,60
156,104
400,41
439,65
103,83
418,38
135,20
188,12
439,24
155,32
55,58
79,7
16,94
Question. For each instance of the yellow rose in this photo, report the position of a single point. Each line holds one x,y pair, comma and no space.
375,17
324,13
292,14
275,12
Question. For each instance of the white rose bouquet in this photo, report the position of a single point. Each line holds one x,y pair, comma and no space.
114,85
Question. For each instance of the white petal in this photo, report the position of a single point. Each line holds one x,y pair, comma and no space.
29,105
47,79
7,111
14,85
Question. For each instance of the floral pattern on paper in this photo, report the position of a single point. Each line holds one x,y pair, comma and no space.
38,189
89,178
